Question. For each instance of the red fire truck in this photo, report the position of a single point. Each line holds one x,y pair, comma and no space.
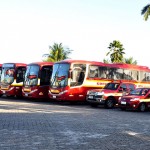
37,80
12,79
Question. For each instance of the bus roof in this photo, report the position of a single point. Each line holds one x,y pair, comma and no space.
130,66
81,61
115,65
42,63
16,64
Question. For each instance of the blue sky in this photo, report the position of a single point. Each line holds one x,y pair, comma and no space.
28,27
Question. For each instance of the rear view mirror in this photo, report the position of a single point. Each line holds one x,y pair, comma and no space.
32,76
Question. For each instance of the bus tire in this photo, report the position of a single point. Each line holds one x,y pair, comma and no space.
142,107
109,103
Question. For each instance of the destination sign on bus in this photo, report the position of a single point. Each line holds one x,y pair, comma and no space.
8,65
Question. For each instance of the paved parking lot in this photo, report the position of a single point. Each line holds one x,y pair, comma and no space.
31,125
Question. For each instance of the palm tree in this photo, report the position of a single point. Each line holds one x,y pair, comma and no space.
58,53
107,61
146,11
116,51
130,61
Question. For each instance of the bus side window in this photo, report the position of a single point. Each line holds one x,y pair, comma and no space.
93,71
103,72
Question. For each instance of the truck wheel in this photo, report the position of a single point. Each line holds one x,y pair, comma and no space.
142,107
109,103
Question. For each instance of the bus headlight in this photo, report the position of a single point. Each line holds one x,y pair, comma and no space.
63,92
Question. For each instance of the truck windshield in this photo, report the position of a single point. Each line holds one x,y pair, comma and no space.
60,75
7,76
112,86
139,91
31,75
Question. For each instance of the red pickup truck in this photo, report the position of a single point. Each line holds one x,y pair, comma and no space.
109,95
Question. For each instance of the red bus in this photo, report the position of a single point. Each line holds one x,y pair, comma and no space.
0,79
71,79
37,80
12,79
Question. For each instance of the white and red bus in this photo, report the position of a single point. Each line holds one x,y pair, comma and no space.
37,80
71,79
12,79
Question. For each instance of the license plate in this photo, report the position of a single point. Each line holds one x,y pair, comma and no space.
90,97
54,96
26,94
124,103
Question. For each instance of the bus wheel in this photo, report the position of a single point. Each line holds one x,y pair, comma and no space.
109,103
142,107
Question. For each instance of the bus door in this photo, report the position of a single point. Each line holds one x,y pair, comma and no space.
76,83
20,73
45,76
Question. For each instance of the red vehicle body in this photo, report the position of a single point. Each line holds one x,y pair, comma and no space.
71,79
37,80
109,95
12,79
1,93
139,99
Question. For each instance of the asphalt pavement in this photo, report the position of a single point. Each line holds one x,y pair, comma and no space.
43,125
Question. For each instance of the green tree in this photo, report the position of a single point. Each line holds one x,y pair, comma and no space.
116,51
107,61
58,53
130,61
146,12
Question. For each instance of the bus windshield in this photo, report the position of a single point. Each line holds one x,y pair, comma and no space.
31,75
7,76
60,75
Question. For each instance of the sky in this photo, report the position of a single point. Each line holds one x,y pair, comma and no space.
29,27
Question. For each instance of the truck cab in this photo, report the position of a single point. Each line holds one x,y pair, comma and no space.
109,95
